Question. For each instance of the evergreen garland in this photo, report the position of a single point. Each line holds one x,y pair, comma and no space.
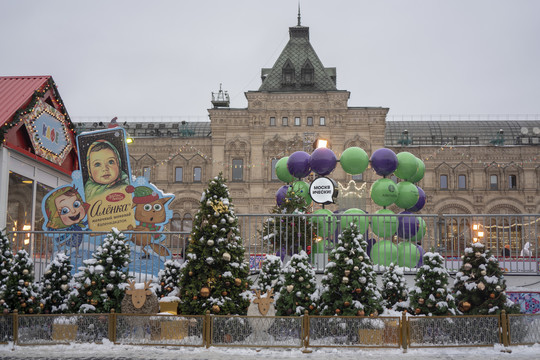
55,287
349,284
480,287
100,286
271,276
430,295
215,275
168,279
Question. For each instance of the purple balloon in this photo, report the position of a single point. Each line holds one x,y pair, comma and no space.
421,201
407,225
421,261
323,161
384,161
298,164
281,194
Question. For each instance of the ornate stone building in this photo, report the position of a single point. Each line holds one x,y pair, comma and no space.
471,165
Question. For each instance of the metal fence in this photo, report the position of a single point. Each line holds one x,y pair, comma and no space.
513,239
272,331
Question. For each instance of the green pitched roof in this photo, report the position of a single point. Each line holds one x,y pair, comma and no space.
298,58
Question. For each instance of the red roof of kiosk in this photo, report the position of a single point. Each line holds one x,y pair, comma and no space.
16,93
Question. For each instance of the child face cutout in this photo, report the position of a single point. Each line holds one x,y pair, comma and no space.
70,209
104,166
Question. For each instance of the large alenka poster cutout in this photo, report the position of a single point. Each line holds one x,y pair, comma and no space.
104,195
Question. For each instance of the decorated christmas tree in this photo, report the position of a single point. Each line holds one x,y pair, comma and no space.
20,291
394,289
168,279
6,258
101,283
55,287
271,276
430,295
349,285
299,290
290,234
480,287
215,275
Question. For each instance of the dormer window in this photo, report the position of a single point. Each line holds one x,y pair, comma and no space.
307,74
288,73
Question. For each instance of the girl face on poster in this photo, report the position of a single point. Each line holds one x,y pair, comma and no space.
65,208
104,164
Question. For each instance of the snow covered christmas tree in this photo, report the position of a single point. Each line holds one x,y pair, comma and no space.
215,275
299,290
168,279
480,287
394,289
20,292
6,258
55,287
271,276
100,286
349,286
430,294
290,233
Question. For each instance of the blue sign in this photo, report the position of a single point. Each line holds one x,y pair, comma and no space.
52,133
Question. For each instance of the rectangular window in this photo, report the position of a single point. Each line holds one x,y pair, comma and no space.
146,173
444,182
197,174
274,175
493,182
284,121
310,121
512,182
296,121
462,182
238,170
322,121
359,177
178,174
272,121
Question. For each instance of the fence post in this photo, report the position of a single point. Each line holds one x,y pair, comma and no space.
207,332
16,326
404,332
504,324
305,335
112,326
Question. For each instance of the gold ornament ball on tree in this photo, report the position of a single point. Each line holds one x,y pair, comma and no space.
26,283
216,309
347,272
360,313
227,257
492,296
25,272
205,292
417,311
23,305
190,273
237,282
338,311
224,293
420,301
89,293
346,303
30,310
358,290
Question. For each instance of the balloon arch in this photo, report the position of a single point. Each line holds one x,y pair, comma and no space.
384,192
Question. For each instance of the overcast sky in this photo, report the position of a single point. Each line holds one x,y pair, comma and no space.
164,58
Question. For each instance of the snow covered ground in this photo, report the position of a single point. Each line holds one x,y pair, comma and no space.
124,352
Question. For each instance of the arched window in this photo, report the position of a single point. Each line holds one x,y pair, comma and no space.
288,73
307,74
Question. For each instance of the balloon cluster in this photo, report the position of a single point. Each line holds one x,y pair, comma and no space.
384,192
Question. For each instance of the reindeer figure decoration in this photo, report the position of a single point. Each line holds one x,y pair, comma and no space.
261,306
264,304
140,300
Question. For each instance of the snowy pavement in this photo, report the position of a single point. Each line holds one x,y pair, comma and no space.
109,351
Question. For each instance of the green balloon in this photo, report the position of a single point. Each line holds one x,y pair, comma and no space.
325,225
282,172
360,221
407,195
301,188
422,229
354,160
408,254
384,192
407,165
419,172
384,226
384,253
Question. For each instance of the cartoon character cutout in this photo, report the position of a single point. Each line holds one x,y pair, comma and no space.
66,211
105,172
150,211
